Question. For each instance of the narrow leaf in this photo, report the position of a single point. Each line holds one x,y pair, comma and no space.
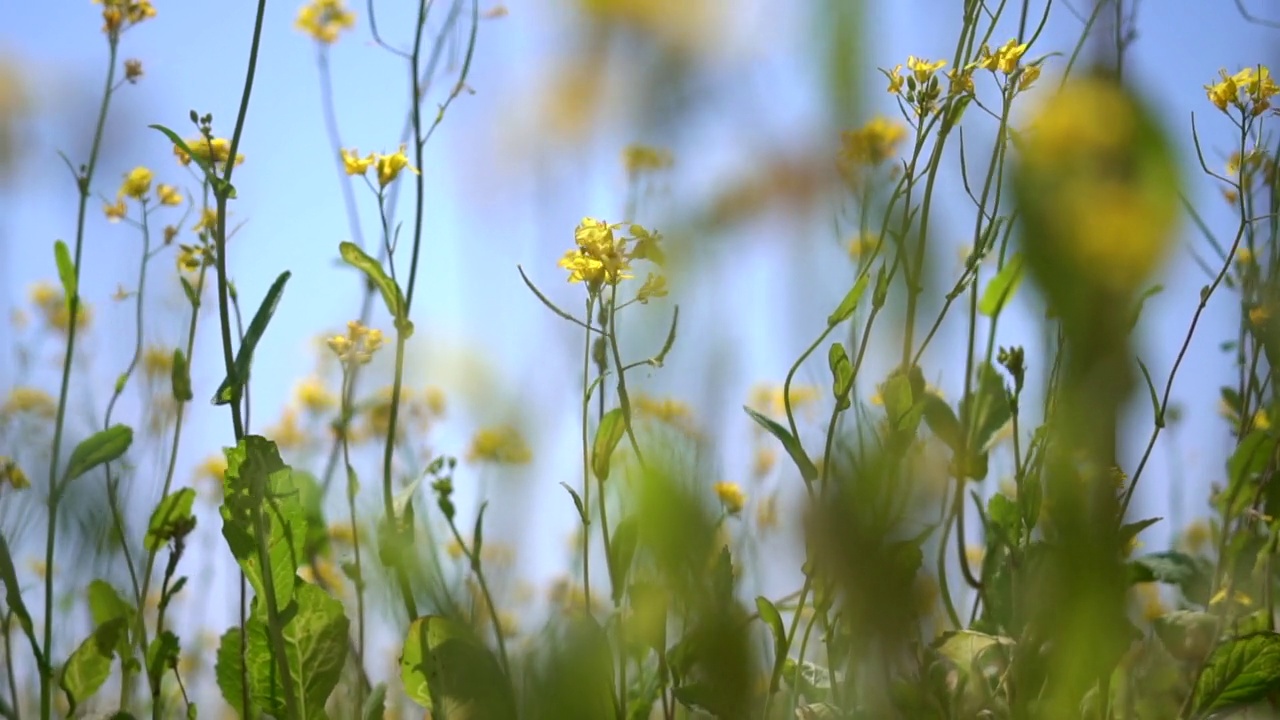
612,427
808,470
230,388
180,377
66,272
577,502
375,706
850,302
1000,289
773,620
100,447
392,296
1151,391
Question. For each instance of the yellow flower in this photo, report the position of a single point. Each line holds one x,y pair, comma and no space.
168,194
353,163
1029,75
116,211
895,79
1004,59
871,144
642,158
287,433
1259,315
216,151
12,474
435,401
1260,88
655,286
767,513
213,469
207,222
1151,605
764,460
1261,421
313,396
1244,256
132,70
731,497
30,401
390,166
862,245
671,411
961,81
1196,537
325,19
923,69
136,184
118,15
502,444
157,361
358,345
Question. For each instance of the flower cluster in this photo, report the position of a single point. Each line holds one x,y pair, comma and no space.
388,167
119,15
324,20
502,445
358,345
870,145
51,304
212,150
603,257
1249,90
639,159
922,90
137,186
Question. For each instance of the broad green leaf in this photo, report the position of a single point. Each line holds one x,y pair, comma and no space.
105,605
808,470
180,377
391,293
813,680
231,387
1004,519
850,301
1251,457
229,671
1001,288
258,490
612,427
172,516
1238,672
986,410
772,619
444,666
841,375
375,706
972,651
942,420
623,550
316,643
66,272
1129,531
571,671
100,447
90,664
1188,635
1170,567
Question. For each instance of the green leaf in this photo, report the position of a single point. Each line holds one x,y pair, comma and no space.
1129,531
231,386
190,292
841,375
316,643
1142,301
97,449
180,377
808,470
66,272
1170,567
172,516
444,666
162,656
391,293
898,400
1151,391
90,664
623,549
105,605
612,427
986,410
477,537
1238,672
13,598
1004,519
229,670
1188,635
1251,457
972,651
942,420
375,706
850,301
772,619
1001,288
220,187
257,481
577,502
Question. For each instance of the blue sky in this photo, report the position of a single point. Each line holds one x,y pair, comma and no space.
501,194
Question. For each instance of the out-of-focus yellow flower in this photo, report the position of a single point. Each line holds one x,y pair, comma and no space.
288,433
1259,315
895,79
324,573
655,286
325,19
871,144
1196,537
207,222
116,211
168,194
502,444
639,159
670,411
390,166
769,399
119,15
1150,604
435,401
157,361
763,461
354,164
342,533
51,303
1261,421
214,471
1029,75
862,245
314,397
13,475
137,183
731,497
767,513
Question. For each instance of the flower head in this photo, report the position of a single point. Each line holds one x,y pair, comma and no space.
168,194
390,166
353,164
132,70
642,158
501,444
210,150
358,345
137,183
119,15
1250,90
325,19
1004,59
871,144
731,497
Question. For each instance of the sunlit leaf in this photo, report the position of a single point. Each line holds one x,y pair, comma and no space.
101,447
1238,672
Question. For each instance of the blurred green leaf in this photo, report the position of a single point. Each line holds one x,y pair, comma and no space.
446,668
172,515
13,598
1129,531
789,443
1188,635
1169,567
232,386
375,706
1001,288
850,302
612,427
1238,672
315,640
90,664
772,619
180,377
1151,392
101,447
623,549
841,375
162,655
942,420
66,273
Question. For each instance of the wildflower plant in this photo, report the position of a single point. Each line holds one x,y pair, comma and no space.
968,545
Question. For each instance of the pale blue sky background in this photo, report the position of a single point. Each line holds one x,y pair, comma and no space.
499,195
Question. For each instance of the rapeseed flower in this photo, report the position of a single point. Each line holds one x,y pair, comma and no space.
324,20
503,445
